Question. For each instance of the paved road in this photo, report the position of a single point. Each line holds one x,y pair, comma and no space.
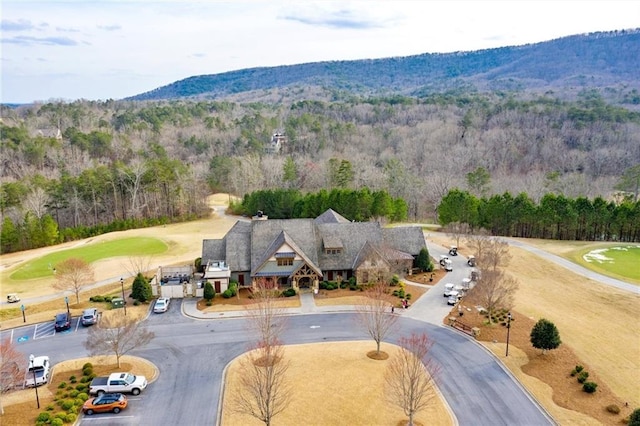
574,267
192,353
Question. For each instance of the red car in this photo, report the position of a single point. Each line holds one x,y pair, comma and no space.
107,402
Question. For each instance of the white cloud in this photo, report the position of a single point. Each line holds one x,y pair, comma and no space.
112,49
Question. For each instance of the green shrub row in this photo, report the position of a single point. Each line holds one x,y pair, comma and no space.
68,399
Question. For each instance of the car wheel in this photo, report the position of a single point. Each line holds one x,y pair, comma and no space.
135,391
100,392
89,412
116,410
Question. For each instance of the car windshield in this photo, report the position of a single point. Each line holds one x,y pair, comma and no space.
61,317
130,378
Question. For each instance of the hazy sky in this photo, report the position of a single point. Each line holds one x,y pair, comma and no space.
112,49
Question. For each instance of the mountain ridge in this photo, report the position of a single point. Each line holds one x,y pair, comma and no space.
597,59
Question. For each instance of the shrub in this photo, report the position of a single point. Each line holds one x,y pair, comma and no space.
353,287
394,281
87,365
589,387
87,371
227,294
583,376
576,370
289,292
97,299
50,407
83,396
57,422
74,393
344,284
66,404
408,296
323,285
81,386
634,418
62,385
85,379
108,299
613,409
70,418
43,417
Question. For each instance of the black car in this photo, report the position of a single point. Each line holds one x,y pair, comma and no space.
63,321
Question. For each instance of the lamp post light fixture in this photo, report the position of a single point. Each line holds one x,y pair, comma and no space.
66,300
124,301
508,330
35,385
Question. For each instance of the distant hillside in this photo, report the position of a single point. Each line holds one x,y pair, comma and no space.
593,60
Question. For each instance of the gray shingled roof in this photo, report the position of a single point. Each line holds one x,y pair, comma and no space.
331,216
248,245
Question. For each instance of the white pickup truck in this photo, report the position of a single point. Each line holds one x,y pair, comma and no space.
118,382
38,372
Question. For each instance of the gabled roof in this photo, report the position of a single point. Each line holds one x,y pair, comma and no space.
248,245
284,238
368,252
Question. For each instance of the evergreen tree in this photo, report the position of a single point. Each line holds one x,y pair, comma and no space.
545,335
9,237
634,418
209,291
423,261
141,289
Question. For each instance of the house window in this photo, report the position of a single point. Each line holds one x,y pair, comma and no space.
285,261
333,251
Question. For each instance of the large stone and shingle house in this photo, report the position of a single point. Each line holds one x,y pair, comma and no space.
300,253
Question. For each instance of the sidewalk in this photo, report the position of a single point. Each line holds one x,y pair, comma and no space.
308,307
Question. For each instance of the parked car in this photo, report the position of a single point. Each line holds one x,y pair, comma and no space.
12,298
63,321
37,371
89,316
107,402
161,305
118,383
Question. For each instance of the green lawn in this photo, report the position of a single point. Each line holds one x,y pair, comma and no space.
136,246
620,261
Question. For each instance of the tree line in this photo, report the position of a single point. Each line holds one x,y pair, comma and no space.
553,217
356,205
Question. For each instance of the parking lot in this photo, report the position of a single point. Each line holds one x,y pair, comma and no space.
38,331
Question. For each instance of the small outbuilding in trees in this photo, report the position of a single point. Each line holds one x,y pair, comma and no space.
545,335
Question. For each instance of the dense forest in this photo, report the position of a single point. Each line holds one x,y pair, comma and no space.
75,169
118,161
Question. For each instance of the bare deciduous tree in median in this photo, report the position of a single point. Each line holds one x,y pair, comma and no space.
11,368
266,319
117,336
374,313
73,274
409,378
264,390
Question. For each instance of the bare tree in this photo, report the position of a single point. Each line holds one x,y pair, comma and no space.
409,378
118,336
494,291
265,318
72,275
457,230
11,371
477,242
374,313
137,265
265,392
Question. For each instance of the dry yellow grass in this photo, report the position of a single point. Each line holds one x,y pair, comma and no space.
334,384
597,321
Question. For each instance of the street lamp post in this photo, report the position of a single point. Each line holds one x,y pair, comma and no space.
35,385
124,301
66,300
508,330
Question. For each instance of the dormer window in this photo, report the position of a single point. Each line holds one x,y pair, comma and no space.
285,261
